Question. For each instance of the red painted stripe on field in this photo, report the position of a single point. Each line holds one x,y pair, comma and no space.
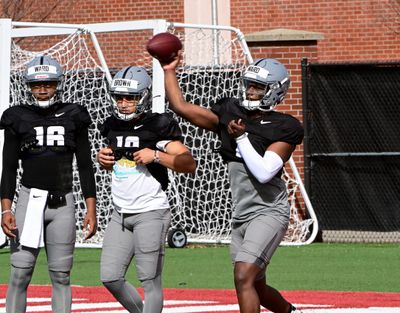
304,299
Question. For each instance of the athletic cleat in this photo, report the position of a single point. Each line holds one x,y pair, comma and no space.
294,310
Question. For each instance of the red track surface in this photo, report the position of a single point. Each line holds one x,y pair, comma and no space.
97,299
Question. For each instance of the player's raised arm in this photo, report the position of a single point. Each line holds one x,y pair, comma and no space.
166,48
195,114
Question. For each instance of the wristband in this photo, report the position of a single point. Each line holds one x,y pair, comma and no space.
6,211
156,157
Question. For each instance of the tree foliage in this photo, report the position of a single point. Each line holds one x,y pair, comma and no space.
30,10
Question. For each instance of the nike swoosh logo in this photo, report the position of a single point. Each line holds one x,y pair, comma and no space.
265,122
137,126
35,196
59,114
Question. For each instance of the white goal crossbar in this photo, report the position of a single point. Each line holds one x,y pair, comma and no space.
204,216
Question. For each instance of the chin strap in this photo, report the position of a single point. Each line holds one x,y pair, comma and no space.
126,117
251,105
43,104
256,105
46,103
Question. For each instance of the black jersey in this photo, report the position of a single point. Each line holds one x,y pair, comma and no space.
127,137
262,132
45,140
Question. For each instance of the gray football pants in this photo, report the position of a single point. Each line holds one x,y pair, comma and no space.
141,236
256,241
59,238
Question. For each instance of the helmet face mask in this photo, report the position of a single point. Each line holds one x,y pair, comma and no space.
273,76
44,77
130,93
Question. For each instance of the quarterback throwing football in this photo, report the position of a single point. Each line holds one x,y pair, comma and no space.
256,142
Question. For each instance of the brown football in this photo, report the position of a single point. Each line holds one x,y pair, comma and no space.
164,47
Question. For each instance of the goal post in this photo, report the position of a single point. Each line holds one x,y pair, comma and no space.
213,60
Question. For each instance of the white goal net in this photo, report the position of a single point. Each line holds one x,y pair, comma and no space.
213,62
212,67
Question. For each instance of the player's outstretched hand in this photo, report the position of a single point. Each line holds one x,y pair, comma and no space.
174,63
236,128
90,225
8,224
106,158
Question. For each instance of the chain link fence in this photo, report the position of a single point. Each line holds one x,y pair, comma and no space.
352,149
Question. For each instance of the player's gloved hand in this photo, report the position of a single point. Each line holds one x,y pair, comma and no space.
236,128
106,158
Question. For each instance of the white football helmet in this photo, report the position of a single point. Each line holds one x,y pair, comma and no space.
44,69
131,81
273,75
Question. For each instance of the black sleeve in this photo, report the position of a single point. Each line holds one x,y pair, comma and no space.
85,165
82,118
173,132
293,132
8,120
103,128
10,165
166,127
217,107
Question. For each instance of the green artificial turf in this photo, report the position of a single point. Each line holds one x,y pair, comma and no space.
319,266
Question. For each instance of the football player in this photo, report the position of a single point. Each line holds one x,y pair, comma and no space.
256,142
141,147
44,135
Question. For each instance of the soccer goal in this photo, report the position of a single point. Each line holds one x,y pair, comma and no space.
214,58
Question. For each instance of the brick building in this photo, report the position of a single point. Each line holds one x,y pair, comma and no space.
353,30
288,30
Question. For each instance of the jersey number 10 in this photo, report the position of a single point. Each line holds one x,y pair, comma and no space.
127,142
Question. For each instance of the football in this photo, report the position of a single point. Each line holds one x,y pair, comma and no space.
164,47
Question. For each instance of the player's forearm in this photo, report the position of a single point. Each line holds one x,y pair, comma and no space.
90,205
85,165
174,94
195,114
6,204
263,168
8,183
10,165
182,163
